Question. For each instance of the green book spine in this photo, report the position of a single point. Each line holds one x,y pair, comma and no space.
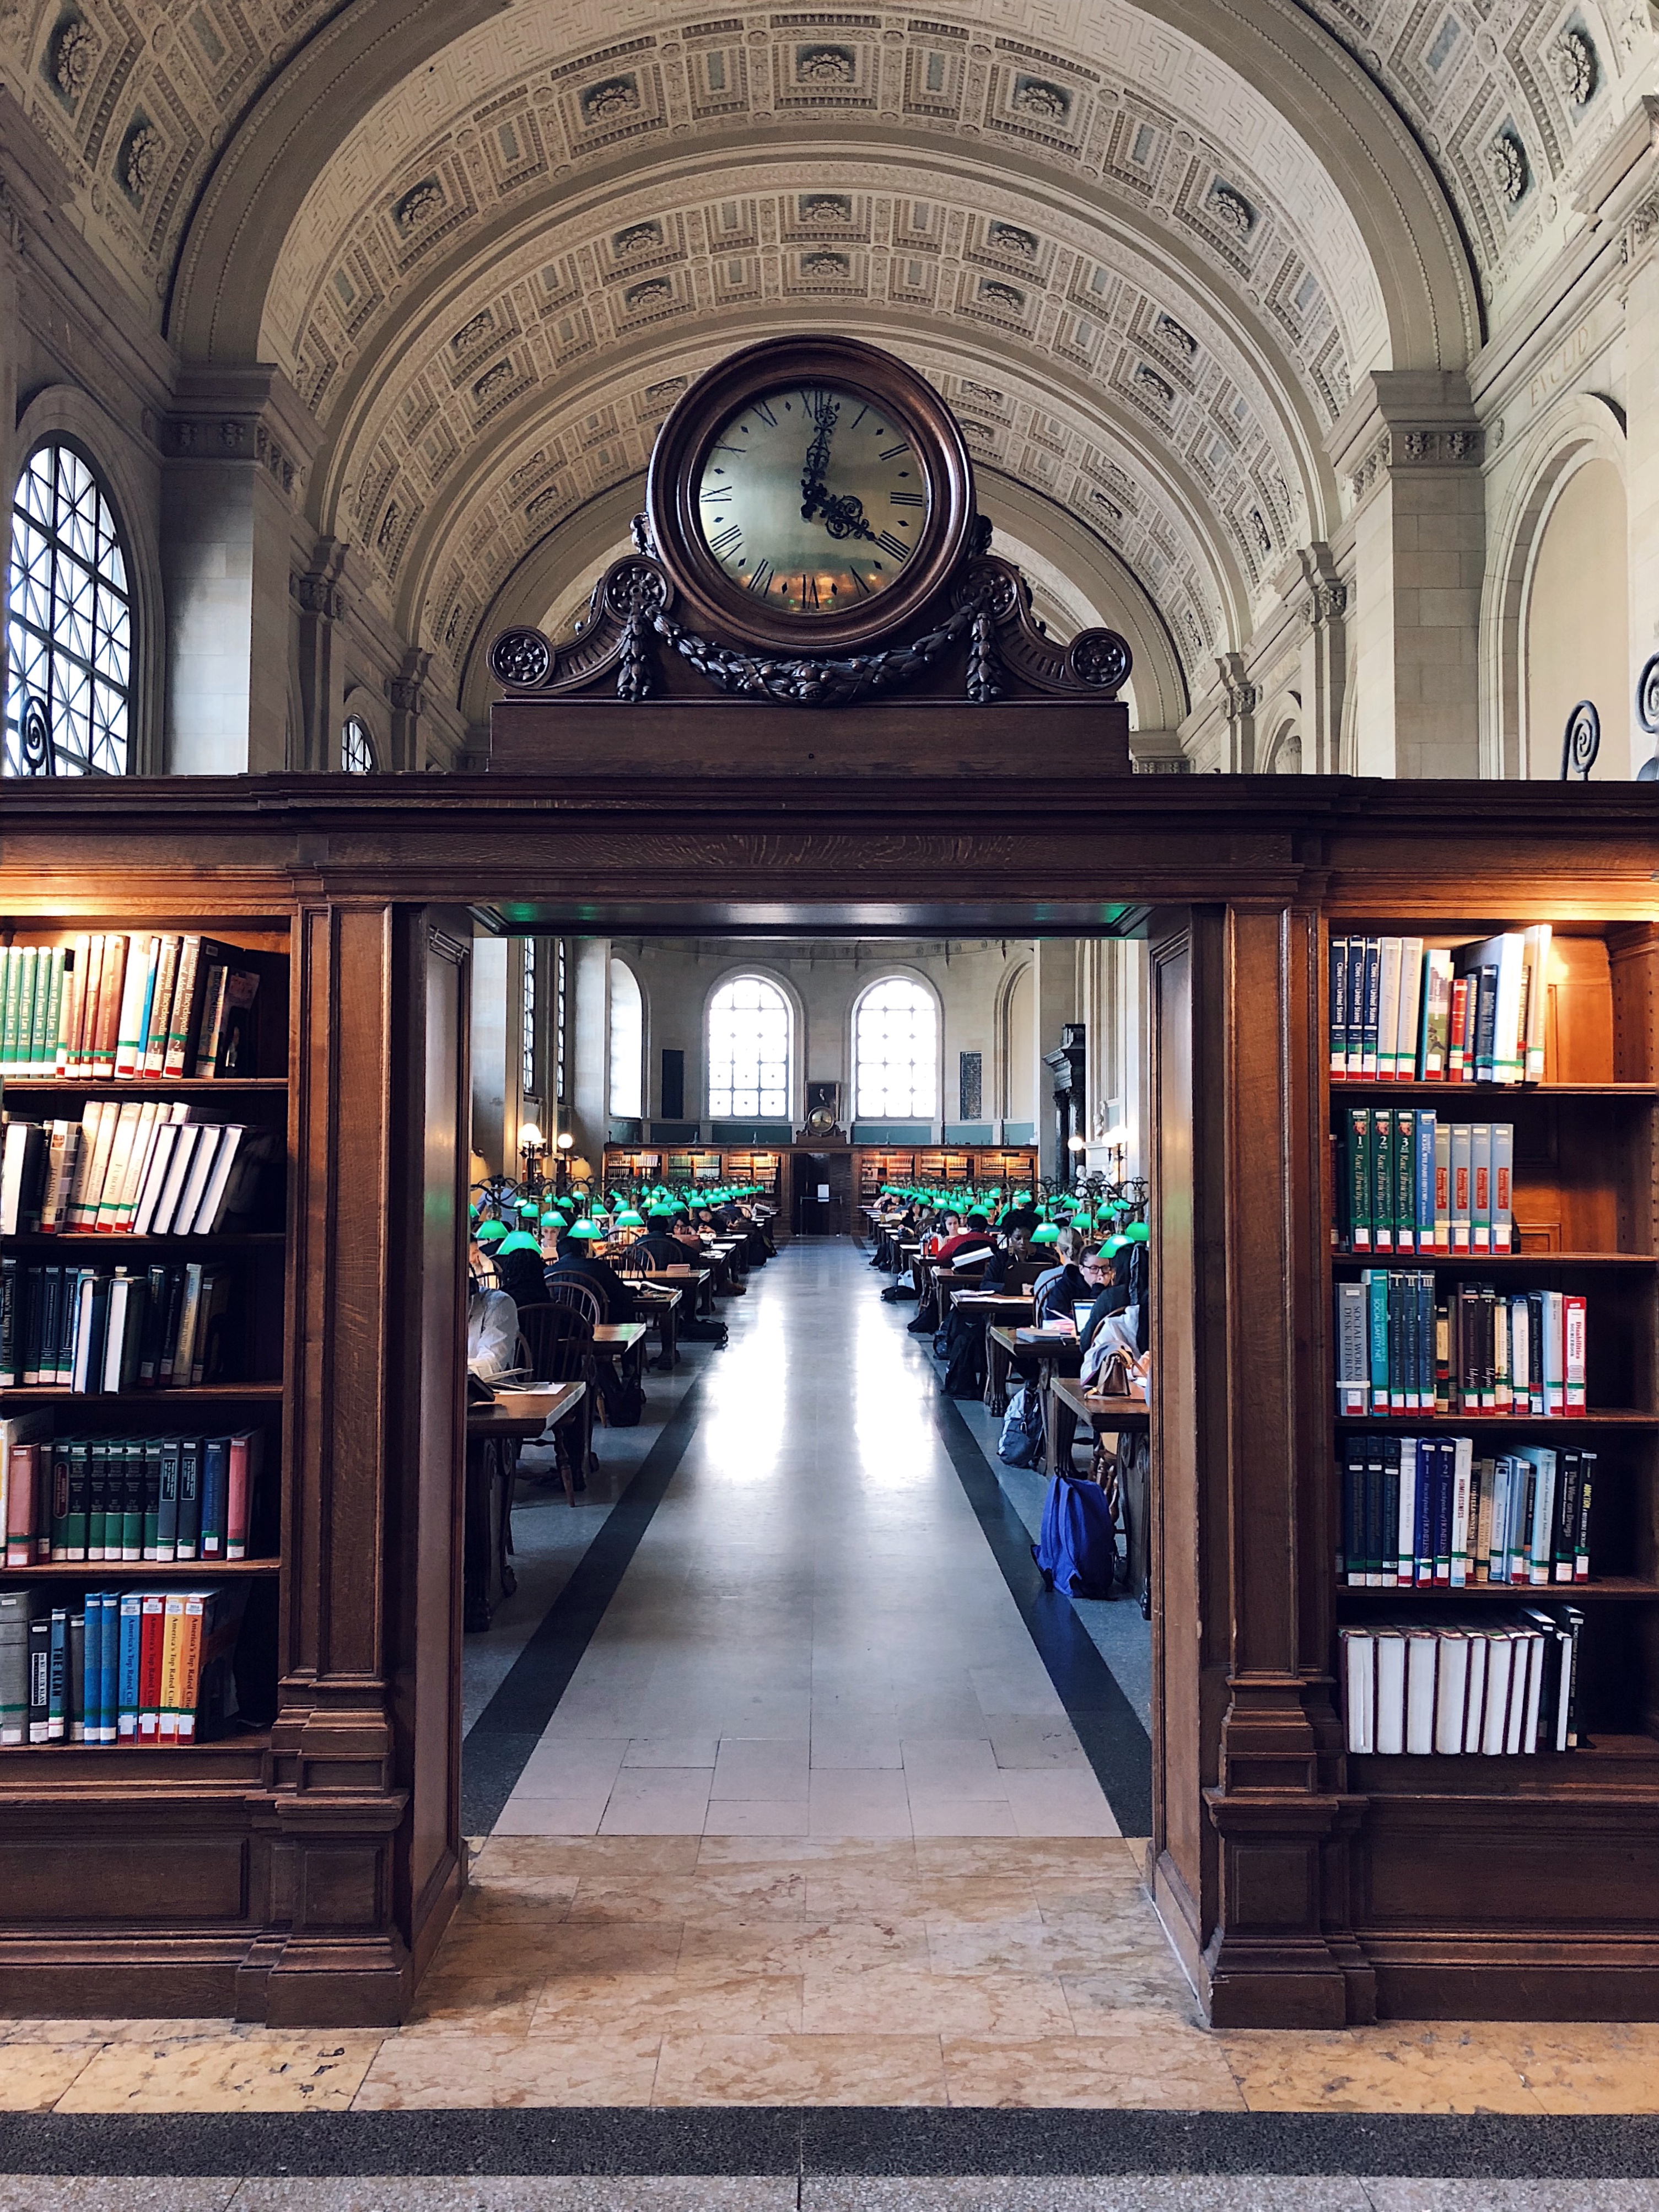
55,1011
1382,1172
1359,1178
97,1499
13,957
132,1500
1405,1180
152,1498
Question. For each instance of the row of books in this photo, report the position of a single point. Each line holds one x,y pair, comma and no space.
83,1330
146,1669
132,1168
1494,1687
116,1006
1404,1012
1480,1350
1408,1182
1425,1512
140,1500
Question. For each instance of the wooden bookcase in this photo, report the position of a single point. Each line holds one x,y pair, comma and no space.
1449,1851
123,1836
309,1883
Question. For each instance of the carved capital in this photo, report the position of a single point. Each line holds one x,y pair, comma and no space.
1326,603
1418,445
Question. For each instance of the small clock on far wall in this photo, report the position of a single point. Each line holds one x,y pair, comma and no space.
810,494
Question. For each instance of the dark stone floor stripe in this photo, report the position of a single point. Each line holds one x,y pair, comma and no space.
829,2140
502,1738
1107,1726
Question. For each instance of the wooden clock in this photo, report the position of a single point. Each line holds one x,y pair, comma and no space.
809,494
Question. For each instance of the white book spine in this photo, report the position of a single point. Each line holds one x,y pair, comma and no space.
1387,1011
1411,1002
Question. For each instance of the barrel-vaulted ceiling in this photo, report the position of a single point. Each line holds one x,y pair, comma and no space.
1145,251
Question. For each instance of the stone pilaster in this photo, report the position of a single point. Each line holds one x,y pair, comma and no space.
1408,451
1244,698
407,695
318,599
1319,600
239,443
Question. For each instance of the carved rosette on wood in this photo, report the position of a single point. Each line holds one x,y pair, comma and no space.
976,642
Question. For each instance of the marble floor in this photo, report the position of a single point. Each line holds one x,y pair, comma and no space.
813,1637
809,1829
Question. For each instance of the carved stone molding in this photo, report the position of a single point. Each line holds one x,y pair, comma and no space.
1417,446
251,414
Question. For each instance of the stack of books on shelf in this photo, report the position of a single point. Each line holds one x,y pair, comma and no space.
1492,1686
1479,1349
143,1669
1423,1512
1405,1012
1408,1182
89,1331
141,1500
129,1167
119,1006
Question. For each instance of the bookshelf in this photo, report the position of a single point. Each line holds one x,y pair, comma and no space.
173,1795
1449,1902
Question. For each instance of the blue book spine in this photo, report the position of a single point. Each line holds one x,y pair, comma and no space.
112,1665
1373,1000
1427,1471
1338,963
133,1611
92,1669
1443,1511
1425,1179
215,1495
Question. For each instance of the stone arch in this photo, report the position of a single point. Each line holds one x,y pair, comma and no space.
1579,426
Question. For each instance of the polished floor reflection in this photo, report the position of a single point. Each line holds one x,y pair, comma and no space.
813,1637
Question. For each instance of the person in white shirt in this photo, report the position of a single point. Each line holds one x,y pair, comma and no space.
492,1333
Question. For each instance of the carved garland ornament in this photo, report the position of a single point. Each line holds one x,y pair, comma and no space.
637,594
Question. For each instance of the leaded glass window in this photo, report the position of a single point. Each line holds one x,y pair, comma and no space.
749,1051
530,1066
68,624
895,1052
357,747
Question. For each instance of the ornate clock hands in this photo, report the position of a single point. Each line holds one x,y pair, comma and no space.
841,513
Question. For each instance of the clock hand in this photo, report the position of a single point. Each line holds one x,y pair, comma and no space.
841,513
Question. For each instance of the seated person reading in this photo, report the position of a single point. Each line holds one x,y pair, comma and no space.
574,1260
492,1332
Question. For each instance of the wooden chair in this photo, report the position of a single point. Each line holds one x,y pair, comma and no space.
635,1260
557,1345
576,1296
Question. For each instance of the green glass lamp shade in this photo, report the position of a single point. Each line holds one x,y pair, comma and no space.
628,1218
491,1233
1137,1233
519,1241
1045,1233
589,1231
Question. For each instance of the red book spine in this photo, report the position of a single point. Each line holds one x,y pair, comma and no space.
236,1501
150,1669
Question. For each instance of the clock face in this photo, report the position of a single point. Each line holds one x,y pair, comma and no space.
812,500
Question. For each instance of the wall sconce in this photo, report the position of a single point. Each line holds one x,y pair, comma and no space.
530,1149
564,1144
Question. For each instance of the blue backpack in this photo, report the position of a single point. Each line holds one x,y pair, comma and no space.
1077,1550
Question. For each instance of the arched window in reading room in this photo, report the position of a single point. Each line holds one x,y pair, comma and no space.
895,1052
626,1040
69,623
357,747
749,1051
